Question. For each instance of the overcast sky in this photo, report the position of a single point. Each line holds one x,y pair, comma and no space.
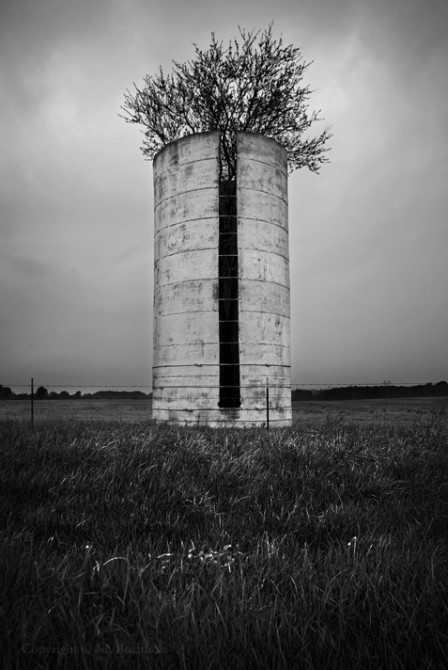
368,236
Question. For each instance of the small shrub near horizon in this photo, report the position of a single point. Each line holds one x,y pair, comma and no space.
134,545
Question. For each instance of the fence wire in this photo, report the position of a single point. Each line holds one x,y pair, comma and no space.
135,402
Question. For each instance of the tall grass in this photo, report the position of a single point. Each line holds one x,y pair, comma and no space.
159,547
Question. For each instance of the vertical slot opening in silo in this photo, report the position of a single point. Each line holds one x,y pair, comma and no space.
229,355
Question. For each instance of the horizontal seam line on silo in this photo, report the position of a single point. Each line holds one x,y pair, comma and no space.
248,411
225,422
189,281
246,342
191,190
216,423
178,223
265,251
208,279
271,365
279,383
271,223
190,251
266,365
203,312
264,281
212,219
209,407
190,311
215,342
210,386
257,160
184,345
249,311
185,251
196,160
259,190
214,365
265,344
187,365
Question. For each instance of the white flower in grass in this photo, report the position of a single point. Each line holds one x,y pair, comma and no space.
352,545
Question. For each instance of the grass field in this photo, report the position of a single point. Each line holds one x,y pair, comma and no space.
365,412
129,545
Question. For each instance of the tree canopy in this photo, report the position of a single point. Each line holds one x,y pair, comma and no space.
255,84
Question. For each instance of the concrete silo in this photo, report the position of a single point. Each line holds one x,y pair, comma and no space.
221,286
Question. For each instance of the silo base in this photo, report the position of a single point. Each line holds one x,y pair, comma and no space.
233,418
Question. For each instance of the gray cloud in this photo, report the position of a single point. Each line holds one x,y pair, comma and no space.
367,236
32,267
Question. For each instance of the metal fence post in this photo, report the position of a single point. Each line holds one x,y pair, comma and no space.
267,404
32,402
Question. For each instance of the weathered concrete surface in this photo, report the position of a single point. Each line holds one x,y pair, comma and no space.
182,237
186,329
186,312
264,300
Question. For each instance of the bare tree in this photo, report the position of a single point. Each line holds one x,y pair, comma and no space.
253,85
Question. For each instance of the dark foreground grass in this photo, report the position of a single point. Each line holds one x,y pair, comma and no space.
135,546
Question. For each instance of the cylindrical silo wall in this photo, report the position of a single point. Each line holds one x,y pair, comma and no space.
186,334
221,286
264,295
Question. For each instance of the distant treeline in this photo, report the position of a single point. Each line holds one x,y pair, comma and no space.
43,394
336,393
370,392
